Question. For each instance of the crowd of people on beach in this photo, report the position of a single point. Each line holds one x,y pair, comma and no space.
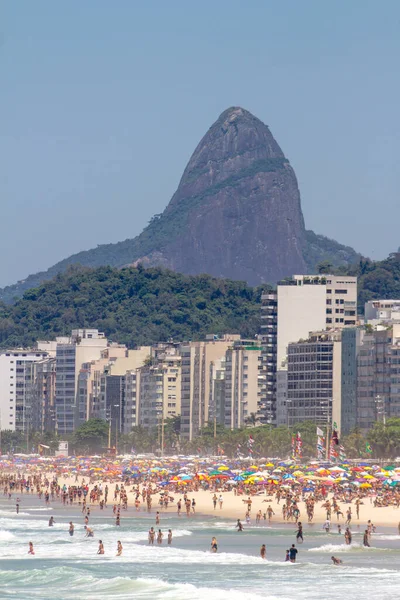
142,493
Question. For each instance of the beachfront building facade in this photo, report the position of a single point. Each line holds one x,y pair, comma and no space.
198,360
42,397
300,305
17,376
83,346
314,379
242,369
378,375
160,387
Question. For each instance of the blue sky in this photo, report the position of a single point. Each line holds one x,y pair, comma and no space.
102,104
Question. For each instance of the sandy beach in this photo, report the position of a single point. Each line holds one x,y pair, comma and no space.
234,507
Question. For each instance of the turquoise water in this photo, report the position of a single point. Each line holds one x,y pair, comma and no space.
67,567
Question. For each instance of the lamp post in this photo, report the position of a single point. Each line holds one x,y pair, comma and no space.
328,426
116,430
27,428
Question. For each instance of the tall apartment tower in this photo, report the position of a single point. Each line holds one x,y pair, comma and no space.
198,359
300,305
315,379
17,376
378,376
159,389
242,363
83,346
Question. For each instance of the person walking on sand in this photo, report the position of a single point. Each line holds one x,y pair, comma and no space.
220,501
214,499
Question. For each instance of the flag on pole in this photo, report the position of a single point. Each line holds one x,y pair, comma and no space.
320,433
293,446
342,454
250,444
299,445
320,448
368,448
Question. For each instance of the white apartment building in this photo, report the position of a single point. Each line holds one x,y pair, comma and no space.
242,363
83,346
16,381
381,311
302,304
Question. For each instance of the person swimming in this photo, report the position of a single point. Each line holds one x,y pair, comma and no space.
336,561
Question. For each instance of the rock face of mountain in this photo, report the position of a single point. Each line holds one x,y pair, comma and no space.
236,214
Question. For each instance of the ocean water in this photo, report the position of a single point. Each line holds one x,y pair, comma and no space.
67,567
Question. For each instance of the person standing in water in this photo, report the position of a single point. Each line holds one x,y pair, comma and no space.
366,539
51,521
31,550
214,545
263,551
169,537
101,548
71,528
347,536
160,537
152,535
239,525
119,548
293,553
299,534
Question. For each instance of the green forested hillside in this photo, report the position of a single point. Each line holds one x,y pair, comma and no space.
132,306
376,279
142,306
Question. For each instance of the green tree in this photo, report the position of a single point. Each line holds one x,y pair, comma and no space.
91,437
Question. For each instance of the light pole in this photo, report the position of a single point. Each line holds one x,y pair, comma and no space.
116,430
328,427
27,428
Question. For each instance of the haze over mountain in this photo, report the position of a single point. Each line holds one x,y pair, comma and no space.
236,214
